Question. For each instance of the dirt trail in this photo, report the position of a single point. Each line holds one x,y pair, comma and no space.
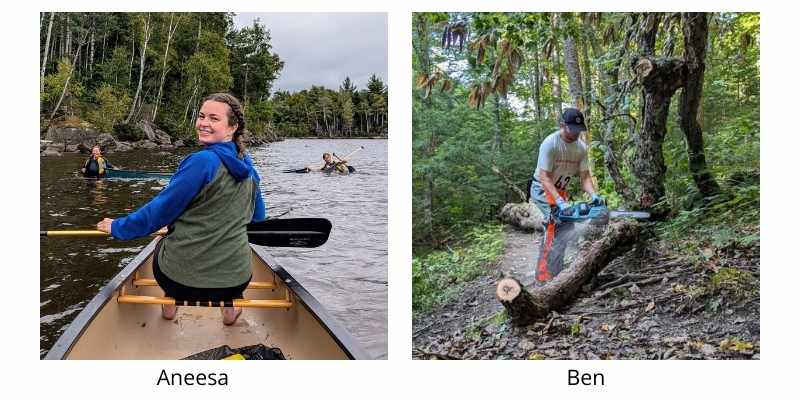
649,304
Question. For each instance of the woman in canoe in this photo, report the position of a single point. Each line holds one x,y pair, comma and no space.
96,165
209,201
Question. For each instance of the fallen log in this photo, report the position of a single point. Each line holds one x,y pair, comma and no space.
523,306
524,216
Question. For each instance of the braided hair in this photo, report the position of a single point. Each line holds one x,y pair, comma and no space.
235,117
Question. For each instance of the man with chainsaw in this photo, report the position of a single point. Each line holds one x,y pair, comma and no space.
562,157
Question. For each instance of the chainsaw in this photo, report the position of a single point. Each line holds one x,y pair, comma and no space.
584,212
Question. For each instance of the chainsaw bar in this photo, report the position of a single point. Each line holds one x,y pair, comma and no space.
629,214
583,211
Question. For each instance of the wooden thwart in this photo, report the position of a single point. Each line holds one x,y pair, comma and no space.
125,298
136,299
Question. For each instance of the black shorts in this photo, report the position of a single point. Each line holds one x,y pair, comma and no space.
181,292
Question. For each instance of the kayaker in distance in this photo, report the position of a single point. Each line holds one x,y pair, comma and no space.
211,198
327,165
96,165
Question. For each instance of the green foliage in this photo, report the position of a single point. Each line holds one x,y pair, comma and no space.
375,85
128,132
206,54
439,274
739,283
114,71
326,113
454,146
500,318
54,85
252,62
259,115
111,107
723,219
576,329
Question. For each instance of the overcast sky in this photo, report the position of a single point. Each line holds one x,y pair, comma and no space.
324,48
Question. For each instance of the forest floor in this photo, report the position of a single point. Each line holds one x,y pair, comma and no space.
658,301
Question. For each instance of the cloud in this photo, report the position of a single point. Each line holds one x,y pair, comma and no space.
324,48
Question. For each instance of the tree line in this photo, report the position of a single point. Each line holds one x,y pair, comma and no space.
116,69
490,86
348,112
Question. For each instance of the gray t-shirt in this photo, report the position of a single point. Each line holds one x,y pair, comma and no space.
563,159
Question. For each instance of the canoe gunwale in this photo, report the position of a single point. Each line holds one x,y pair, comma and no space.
342,336
78,326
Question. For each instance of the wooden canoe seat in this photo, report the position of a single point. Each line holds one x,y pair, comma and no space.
125,298
251,285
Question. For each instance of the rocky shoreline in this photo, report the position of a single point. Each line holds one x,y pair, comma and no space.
80,139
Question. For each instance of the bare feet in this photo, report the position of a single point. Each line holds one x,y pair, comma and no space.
230,315
168,311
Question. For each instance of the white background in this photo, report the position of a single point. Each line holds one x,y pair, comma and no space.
23,374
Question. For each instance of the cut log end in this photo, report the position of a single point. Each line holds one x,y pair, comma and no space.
518,302
643,67
508,289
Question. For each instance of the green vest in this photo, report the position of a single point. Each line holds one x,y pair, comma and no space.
208,246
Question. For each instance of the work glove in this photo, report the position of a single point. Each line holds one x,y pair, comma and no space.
563,207
598,200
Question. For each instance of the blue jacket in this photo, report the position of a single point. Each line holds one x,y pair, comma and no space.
194,172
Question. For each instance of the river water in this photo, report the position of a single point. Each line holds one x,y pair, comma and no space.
348,274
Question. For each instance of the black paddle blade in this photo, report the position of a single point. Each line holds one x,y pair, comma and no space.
351,169
290,232
296,171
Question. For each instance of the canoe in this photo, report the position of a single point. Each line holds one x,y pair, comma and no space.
123,321
328,171
133,174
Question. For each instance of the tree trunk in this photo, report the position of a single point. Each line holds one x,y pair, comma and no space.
191,99
423,54
325,121
69,77
68,45
588,94
556,78
660,78
497,140
609,79
524,306
143,51
695,30
170,31
556,75
46,49
199,30
534,81
130,66
574,77
649,32
103,50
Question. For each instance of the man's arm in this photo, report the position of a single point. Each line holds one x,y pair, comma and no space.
546,178
586,182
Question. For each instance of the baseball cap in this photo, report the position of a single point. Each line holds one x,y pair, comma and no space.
573,118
